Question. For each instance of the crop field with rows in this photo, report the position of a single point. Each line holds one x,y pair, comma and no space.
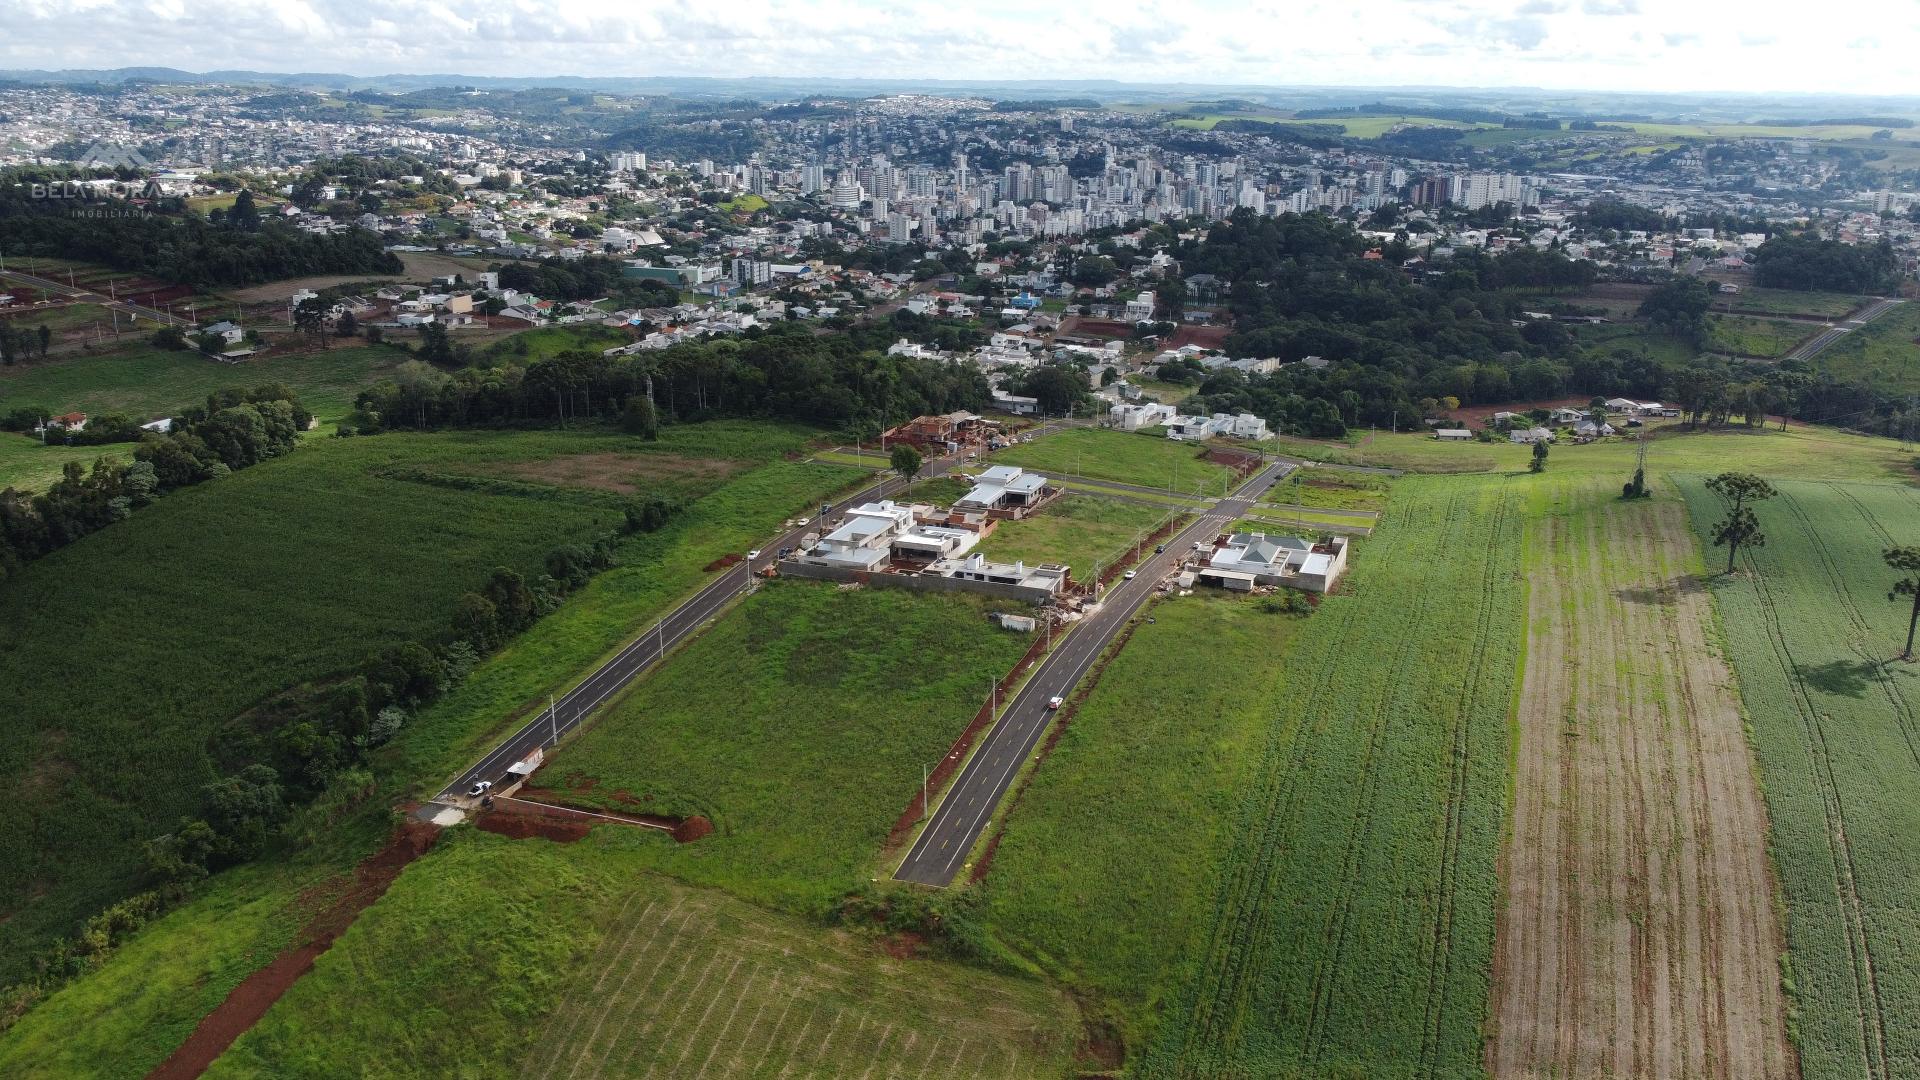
1353,934
1831,716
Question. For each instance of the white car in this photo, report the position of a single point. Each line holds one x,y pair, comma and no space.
752,555
1129,575
1053,702
480,788
800,523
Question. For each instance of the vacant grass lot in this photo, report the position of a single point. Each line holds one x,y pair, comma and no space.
502,957
1083,531
1635,338
1789,302
1831,718
1744,335
1140,789
1352,933
811,745
1882,354
1331,489
1119,456
145,382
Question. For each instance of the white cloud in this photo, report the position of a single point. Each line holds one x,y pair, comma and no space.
1757,45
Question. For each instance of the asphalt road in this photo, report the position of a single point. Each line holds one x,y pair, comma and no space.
683,622
969,805
1819,342
89,297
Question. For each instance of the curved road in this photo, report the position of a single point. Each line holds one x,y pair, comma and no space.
968,807
1838,329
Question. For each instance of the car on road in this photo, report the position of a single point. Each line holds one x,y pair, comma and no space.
752,555
1129,575
479,788
800,523
1053,702
1159,549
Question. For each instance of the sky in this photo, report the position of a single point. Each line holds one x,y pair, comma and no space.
1760,46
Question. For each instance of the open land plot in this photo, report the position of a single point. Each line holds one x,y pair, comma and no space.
1638,936
1119,456
1353,930
1801,450
1635,338
1745,335
1884,354
1788,302
1139,791
1085,532
1331,489
543,960
144,382
1831,717
807,751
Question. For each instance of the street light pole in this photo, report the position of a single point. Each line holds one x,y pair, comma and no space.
553,720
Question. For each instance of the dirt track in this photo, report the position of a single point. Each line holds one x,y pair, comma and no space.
1638,935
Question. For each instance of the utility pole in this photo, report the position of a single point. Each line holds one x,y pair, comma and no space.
923,791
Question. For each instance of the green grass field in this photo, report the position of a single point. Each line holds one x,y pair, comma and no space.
526,958
1635,338
1119,456
1799,451
804,755
1831,718
1884,354
1140,789
1352,934
145,382
1789,302
1082,531
379,561
1744,335
546,342
112,730
1331,489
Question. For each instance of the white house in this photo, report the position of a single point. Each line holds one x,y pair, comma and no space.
1530,435
1453,435
1143,415
1140,308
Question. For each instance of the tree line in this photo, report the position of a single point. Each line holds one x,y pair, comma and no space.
783,372
165,241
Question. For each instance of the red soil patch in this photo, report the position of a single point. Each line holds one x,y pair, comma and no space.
526,826
1207,337
903,944
1103,1049
721,563
549,804
256,994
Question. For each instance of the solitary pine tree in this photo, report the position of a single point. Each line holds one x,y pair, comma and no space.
1740,526
1907,561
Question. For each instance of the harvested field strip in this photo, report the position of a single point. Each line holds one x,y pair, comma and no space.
1831,719
1354,930
1638,934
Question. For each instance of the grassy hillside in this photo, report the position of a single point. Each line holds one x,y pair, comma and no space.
526,958
1831,718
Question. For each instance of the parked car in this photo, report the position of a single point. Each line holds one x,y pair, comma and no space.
480,788
1159,549
1129,575
1054,702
